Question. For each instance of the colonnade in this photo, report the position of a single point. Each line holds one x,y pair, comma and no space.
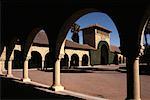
133,79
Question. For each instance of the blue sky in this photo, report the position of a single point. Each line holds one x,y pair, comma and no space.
148,39
101,19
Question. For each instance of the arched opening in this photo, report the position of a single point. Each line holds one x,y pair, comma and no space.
97,53
104,55
75,18
17,62
36,60
48,61
85,60
64,62
74,60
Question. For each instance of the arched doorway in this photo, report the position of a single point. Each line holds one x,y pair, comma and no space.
17,60
74,60
85,60
36,60
104,55
64,61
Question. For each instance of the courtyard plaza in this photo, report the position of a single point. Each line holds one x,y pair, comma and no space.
101,81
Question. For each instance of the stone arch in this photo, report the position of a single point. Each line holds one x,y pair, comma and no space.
64,61
74,60
75,16
27,42
36,60
145,20
142,50
85,60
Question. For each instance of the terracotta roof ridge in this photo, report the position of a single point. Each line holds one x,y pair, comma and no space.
97,25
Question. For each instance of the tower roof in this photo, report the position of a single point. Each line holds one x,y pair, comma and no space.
97,26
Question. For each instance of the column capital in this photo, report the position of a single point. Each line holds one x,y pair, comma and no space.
10,59
141,50
28,58
60,56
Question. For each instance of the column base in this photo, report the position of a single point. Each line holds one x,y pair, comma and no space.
26,80
9,75
57,88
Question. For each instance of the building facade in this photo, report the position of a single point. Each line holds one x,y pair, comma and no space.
95,50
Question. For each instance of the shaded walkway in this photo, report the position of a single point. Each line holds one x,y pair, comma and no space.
11,89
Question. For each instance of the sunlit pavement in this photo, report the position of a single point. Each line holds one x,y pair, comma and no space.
105,84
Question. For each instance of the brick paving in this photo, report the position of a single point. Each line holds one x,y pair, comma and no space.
107,84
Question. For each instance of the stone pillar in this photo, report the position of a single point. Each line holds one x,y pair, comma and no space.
56,81
80,62
133,79
25,72
1,67
43,60
89,61
69,64
9,70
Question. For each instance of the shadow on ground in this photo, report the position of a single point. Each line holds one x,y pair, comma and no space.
11,89
144,70
82,70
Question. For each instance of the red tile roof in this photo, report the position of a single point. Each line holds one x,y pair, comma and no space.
114,48
74,45
97,26
41,38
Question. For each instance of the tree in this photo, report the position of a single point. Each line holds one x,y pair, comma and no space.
75,28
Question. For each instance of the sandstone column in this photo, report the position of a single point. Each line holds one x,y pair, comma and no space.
43,60
1,67
9,70
133,79
80,62
25,72
69,64
56,81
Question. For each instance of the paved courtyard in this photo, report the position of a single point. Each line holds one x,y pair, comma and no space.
105,84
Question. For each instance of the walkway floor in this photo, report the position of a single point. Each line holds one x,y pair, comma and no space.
105,84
